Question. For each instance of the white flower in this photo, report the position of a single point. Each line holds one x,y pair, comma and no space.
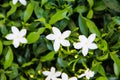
59,38
51,75
65,77
86,43
21,1
17,36
88,74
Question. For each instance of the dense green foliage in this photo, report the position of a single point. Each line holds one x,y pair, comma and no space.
81,17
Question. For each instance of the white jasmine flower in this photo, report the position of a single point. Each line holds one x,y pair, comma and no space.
65,77
59,38
21,1
51,75
86,43
88,74
17,36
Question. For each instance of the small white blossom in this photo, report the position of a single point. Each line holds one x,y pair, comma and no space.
21,1
88,74
65,77
52,75
86,43
59,38
17,36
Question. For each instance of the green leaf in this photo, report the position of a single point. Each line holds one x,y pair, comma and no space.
12,9
28,12
80,9
59,15
8,58
33,37
43,2
91,3
82,25
61,62
90,14
3,77
41,30
116,60
48,57
116,69
103,45
103,57
92,27
1,47
102,78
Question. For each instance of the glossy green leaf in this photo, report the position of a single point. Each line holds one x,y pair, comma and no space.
3,77
103,57
28,12
116,69
102,78
90,14
33,37
12,10
91,3
41,30
8,58
48,57
1,47
59,15
92,27
43,2
82,25
103,45
81,9
61,62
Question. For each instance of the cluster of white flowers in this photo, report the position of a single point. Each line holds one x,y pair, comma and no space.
52,75
21,1
59,38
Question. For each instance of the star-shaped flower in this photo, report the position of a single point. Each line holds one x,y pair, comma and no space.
21,1
52,75
59,38
17,36
88,74
86,43
65,77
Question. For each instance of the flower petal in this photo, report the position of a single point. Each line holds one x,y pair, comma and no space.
16,43
92,46
23,40
23,32
77,45
82,75
50,37
46,73
14,1
15,30
48,78
66,34
64,76
84,50
65,42
73,78
91,38
82,38
23,2
52,69
56,31
56,45
57,74
10,36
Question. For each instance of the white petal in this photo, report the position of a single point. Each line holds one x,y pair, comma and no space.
56,31
46,73
82,75
77,45
14,1
73,78
52,69
23,40
50,37
91,38
92,46
57,74
48,78
65,42
10,36
84,51
23,32
23,2
16,43
66,34
15,30
64,76
82,38
56,45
